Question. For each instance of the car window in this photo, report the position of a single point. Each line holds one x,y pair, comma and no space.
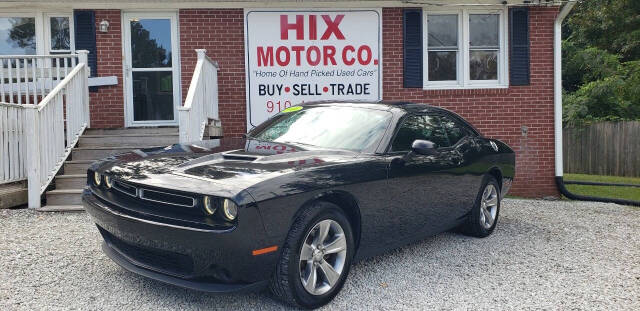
419,127
455,132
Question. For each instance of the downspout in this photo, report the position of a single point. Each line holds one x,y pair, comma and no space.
557,84
557,98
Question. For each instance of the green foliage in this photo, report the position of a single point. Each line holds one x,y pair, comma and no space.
583,65
601,62
611,25
612,98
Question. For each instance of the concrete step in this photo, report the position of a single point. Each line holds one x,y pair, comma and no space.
128,140
13,194
71,181
133,130
97,153
77,167
61,208
64,197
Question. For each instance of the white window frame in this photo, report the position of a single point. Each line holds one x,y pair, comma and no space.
47,32
463,67
43,31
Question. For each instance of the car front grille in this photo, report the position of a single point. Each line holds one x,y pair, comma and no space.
153,195
125,188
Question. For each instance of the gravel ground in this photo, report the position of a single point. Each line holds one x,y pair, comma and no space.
543,255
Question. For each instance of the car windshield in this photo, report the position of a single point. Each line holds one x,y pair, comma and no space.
330,127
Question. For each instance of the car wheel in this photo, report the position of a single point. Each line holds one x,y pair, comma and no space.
484,215
316,257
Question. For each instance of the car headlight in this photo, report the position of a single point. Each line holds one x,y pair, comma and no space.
230,209
108,182
97,179
208,205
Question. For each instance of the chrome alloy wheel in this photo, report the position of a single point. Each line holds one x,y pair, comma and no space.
489,206
322,257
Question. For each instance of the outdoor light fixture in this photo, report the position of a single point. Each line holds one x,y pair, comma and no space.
104,26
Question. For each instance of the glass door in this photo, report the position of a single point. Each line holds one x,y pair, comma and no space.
151,69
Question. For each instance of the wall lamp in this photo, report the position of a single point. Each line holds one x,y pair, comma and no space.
104,26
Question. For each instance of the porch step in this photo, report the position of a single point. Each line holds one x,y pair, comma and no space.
133,130
73,181
77,167
107,140
97,144
64,197
13,194
97,153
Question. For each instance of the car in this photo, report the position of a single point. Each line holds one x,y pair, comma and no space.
300,198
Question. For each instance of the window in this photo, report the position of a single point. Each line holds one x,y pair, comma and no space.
30,33
59,30
484,46
465,49
455,132
443,47
419,127
17,35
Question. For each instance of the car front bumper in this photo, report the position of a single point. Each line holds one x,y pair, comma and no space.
207,260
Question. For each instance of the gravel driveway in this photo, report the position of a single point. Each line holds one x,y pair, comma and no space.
543,255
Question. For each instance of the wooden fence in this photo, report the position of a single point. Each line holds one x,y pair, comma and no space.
606,148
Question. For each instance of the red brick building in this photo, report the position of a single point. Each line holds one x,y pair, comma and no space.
490,61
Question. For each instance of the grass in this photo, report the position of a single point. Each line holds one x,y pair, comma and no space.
626,193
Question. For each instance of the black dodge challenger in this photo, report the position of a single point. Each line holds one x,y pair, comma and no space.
293,204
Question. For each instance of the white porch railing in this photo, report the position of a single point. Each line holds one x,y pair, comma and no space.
201,103
27,79
36,137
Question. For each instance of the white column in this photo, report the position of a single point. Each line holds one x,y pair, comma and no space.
83,58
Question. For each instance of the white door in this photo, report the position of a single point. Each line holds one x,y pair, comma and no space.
152,68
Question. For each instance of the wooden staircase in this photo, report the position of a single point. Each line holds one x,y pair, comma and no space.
93,145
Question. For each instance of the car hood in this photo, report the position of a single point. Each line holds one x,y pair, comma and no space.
221,167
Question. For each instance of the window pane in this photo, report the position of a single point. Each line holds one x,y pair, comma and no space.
17,35
152,96
484,30
443,31
454,131
60,36
419,127
151,43
442,66
484,65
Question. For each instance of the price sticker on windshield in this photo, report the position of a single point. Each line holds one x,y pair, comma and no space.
292,109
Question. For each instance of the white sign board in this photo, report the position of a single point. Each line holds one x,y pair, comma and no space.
296,56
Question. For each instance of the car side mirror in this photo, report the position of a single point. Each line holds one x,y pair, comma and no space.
424,147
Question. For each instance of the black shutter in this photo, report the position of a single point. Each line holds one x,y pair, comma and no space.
85,29
412,34
520,56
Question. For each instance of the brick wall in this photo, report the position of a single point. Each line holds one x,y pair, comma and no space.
497,113
221,33
107,104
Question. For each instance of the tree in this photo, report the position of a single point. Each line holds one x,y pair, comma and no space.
601,56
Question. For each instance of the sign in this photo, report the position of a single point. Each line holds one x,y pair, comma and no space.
296,56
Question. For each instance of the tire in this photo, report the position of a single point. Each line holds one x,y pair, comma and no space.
477,223
287,283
